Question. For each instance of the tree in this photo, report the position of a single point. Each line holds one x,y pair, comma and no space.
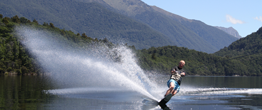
45,24
35,21
105,40
78,34
5,20
84,35
28,21
23,20
15,19
24,70
154,56
52,25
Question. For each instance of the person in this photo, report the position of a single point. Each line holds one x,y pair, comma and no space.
173,84
177,72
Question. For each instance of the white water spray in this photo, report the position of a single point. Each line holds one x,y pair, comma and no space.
92,67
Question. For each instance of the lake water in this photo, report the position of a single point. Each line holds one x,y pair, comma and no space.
196,93
103,78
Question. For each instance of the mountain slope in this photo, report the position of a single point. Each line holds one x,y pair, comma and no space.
230,31
192,34
248,51
243,57
16,60
90,18
144,27
209,34
250,45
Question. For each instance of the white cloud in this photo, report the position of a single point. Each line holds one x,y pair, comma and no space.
259,18
233,20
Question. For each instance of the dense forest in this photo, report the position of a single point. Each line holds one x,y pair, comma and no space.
250,45
15,59
197,63
243,57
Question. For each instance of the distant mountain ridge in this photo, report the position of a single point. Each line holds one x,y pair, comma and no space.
131,21
183,32
230,31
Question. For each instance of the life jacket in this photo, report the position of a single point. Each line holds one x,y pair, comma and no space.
177,75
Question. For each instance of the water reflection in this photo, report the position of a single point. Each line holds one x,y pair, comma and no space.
22,92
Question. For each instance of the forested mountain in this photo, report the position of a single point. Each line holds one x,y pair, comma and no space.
242,57
248,50
212,36
192,34
161,59
16,59
250,45
127,21
90,18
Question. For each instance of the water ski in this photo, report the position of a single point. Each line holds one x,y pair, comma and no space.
163,102
149,104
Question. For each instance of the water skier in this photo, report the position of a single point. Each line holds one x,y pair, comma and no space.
177,72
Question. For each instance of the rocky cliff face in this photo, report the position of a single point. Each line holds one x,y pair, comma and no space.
230,31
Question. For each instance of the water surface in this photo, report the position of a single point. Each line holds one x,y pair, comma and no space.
197,93
100,77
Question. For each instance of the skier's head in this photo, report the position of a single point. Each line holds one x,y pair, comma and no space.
181,64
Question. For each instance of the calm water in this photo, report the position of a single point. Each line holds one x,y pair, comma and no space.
197,93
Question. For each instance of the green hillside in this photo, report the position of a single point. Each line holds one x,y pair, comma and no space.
143,27
191,34
242,57
183,32
197,63
175,31
210,34
90,18
250,45
248,50
15,59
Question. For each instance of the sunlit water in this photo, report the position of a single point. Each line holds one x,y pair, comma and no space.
197,93
91,79
193,96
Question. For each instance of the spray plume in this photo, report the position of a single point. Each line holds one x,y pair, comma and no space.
85,67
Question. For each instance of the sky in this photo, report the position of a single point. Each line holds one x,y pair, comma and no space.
243,15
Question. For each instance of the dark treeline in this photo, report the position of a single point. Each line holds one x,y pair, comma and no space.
197,63
242,57
245,61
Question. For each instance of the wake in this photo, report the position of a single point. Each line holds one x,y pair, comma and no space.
221,91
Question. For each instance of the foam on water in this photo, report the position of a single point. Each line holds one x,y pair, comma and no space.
221,91
81,90
93,67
